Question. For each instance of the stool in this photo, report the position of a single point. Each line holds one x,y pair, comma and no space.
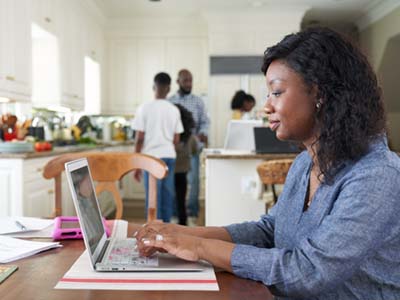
274,172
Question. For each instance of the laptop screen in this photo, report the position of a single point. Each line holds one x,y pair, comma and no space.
267,142
90,218
239,135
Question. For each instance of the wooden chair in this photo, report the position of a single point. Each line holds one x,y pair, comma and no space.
274,172
107,168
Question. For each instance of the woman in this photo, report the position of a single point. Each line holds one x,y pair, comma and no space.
241,105
335,231
186,147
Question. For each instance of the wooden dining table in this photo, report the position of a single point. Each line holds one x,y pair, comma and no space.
37,276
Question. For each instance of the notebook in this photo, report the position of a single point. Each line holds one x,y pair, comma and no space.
110,254
267,142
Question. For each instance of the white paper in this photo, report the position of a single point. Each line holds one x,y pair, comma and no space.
44,233
9,225
12,249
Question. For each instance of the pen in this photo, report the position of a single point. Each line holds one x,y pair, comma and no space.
20,225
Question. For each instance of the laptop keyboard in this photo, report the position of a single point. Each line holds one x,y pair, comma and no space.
123,252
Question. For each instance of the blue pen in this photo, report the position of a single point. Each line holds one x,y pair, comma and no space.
20,225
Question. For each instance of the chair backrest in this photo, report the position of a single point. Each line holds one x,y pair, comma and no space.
274,171
106,169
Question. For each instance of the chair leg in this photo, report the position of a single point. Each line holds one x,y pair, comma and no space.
274,193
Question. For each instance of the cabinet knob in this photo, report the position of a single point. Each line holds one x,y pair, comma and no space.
11,78
51,191
47,19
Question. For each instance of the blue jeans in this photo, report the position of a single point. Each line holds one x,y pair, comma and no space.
194,182
165,192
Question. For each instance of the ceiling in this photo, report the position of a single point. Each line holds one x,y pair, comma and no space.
323,11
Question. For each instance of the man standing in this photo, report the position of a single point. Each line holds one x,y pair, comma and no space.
158,126
195,105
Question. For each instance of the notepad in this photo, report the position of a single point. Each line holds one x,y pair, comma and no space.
6,271
23,224
12,249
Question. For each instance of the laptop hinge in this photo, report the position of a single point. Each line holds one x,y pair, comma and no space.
103,251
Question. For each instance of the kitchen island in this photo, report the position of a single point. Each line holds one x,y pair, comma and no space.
232,186
24,191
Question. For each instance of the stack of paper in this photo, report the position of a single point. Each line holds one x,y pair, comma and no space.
12,249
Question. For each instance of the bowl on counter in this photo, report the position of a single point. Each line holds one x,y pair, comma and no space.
16,147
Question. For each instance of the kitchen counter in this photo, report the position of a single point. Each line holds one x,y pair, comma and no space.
63,149
232,185
239,154
24,190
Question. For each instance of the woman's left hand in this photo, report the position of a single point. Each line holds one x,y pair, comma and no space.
180,245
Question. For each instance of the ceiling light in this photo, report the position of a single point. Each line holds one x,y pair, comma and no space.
257,3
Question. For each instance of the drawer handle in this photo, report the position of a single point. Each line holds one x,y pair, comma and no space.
47,19
11,78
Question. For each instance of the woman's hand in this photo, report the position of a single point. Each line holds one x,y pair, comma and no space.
152,228
180,245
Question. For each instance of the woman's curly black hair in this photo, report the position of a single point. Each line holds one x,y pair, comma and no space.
352,112
187,122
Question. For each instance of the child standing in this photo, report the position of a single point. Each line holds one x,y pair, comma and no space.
158,125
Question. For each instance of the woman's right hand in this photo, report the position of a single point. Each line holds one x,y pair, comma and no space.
155,227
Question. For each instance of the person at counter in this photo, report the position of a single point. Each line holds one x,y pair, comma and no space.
158,126
334,232
241,105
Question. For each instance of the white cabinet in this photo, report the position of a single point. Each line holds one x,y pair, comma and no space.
191,54
15,49
25,192
135,61
123,78
71,55
10,183
44,14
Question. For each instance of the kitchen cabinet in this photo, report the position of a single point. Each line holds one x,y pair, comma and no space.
10,183
71,55
135,61
25,192
123,78
15,49
192,54
44,14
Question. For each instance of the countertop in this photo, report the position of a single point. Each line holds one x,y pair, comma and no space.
62,150
239,154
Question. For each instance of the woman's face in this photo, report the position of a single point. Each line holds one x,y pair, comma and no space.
290,105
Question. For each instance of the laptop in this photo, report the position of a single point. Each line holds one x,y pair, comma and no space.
239,135
111,254
267,142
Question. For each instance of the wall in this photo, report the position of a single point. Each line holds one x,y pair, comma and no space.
381,42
